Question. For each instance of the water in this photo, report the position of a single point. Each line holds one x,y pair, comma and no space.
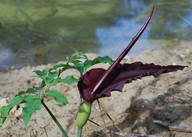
36,32
115,39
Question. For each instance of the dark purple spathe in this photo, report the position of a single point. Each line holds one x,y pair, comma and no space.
99,82
124,73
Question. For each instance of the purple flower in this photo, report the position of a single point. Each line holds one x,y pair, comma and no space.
99,82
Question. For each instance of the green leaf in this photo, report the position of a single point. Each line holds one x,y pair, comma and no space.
74,54
53,83
84,55
29,108
79,53
65,68
79,67
29,97
51,76
75,62
5,109
16,100
21,92
53,102
29,90
41,74
115,120
41,86
105,59
69,80
87,64
59,98
46,70
67,57
32,90
2,120
189,62
58,66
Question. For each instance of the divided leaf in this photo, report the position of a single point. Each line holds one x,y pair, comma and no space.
29,97
41,86
82,55
53,83
5,109
105,59
67,57
29,90
29,108
51,76
69,80
59,98
88,63
40,74
46,70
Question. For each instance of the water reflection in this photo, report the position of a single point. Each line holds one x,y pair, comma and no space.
35,32
115,39
173,20
171,23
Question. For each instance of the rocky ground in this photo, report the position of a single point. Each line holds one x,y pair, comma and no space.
167,98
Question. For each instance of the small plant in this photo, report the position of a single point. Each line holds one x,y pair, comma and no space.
92,84
33,98
189,62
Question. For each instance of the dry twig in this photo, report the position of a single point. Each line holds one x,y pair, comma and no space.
173,127
124,134
109,117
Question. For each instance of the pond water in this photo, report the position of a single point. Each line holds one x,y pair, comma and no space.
36,32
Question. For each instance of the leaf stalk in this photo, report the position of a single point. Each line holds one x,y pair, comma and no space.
54,118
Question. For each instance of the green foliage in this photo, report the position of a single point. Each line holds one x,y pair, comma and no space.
69,80
115,120
88,63
5,109
33,97
29,108
189,62
29,90
59,98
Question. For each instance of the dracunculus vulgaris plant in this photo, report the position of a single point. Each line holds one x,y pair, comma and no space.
92,85
98,83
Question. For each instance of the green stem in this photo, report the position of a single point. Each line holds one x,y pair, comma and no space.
53,117
79,131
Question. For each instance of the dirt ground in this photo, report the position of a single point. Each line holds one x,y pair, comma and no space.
167,98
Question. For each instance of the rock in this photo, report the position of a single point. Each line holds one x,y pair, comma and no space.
4,102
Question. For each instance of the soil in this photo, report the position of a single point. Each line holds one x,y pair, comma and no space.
167,98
